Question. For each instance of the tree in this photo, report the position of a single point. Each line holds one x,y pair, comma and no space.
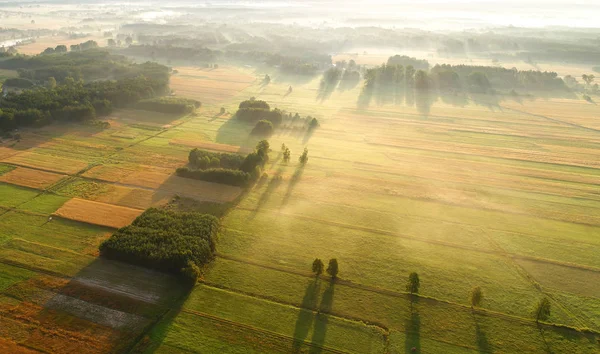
215,162
48,50
111,42
203,162
263,127
588,78
542,310
413,283
317,267
61,48
478,82
128,40
304,157
421,80
262,147
266,79
476,296
51,83
332,268
283,148
75,47
286,155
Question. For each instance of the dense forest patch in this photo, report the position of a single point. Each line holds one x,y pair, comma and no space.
64,89
231,169
165,240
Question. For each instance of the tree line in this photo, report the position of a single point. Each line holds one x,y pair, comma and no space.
541,310
169,241
394,82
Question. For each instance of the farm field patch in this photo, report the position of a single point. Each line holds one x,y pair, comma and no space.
98,213
31,178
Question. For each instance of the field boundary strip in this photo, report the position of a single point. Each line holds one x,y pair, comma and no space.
392,293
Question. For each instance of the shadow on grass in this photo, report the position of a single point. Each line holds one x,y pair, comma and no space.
126,298
322,320
412,342
293,182
273,184
306,317
483,344
547,347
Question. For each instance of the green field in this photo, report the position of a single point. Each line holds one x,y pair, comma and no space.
488,196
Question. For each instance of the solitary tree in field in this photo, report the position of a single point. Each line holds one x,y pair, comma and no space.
476,296
286,155
588,78
332,268
304,157
413,283
283,147
542,310
317,267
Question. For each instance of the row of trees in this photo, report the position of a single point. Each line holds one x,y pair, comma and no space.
541,311
395,82
175,242
332,268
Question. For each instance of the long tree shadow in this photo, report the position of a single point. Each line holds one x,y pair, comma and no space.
321,320
306,316
293,181
273,184
547,347
412,342
483,344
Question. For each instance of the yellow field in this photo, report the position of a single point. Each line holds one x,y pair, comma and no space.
27,177
98,213
45,162
209,85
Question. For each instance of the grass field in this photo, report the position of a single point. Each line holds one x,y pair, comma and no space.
505,197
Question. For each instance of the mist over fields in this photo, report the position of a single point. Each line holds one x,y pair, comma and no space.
300,177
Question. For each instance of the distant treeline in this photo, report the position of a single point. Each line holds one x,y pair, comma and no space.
231,169
171,52
395,83
169,241
71,99
86,65
305,64
169,104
